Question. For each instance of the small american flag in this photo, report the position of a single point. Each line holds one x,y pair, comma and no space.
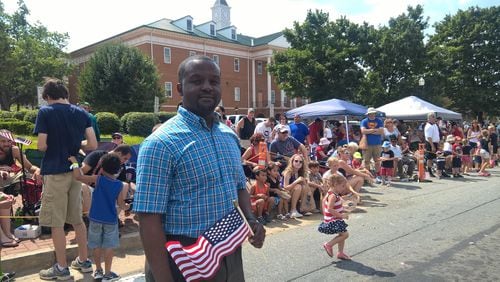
7,135
201,260
22,140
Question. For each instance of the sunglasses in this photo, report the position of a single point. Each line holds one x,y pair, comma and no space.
117,137
298,161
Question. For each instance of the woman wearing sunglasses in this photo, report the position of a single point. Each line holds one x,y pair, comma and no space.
295,182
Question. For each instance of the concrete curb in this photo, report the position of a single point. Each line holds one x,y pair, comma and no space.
45,258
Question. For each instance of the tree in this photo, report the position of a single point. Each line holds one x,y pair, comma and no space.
324,60
32,53
465,60
119,79
397,58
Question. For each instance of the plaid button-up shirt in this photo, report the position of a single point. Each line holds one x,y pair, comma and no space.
189,173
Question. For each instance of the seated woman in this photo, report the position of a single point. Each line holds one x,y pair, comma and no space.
347,192
250,157
7,238
295,182
355,177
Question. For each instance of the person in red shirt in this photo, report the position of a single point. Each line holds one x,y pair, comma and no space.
315,131
456,162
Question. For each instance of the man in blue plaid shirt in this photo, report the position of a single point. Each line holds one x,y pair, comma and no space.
188,173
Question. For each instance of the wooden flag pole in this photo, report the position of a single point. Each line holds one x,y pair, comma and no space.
235,203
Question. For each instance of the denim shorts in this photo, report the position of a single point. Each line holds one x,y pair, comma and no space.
104,236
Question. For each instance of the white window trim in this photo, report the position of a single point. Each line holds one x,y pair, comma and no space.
168,85
259,67
273,97
169,61
210,28
236,65
237,94
189,23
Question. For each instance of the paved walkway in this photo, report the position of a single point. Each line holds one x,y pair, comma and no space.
45,241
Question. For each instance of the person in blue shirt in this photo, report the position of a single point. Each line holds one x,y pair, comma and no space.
373,129
188,174
299,130
103,216
60,127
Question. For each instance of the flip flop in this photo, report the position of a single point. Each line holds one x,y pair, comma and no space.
14,238
343,256
328,249
11,244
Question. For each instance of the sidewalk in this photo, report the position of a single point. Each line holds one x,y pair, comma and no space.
39,253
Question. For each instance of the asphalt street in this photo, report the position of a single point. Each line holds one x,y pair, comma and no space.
447,230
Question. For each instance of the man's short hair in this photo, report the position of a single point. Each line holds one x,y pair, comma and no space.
431,114
124,149
182,66
111,163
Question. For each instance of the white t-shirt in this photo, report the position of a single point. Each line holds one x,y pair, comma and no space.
432,131
447,147
397,151
264,130
327,132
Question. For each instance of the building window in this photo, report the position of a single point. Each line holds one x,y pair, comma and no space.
168,89
192,53
237,94
216,59
167,55
273,97
236,65
233,34
259,67
212,29
189,25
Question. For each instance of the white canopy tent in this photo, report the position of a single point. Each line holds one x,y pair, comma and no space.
414,108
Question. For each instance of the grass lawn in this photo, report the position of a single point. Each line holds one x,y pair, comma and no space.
131,140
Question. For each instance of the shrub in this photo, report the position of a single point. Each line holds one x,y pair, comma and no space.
30,116
19,127
9,119
5,114
20,114
123,121
108,122
164,116
140,124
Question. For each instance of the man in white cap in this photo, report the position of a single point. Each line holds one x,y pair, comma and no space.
286,145
373,129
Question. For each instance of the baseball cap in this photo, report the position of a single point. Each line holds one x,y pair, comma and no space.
117,134
283,128
386,144
357,155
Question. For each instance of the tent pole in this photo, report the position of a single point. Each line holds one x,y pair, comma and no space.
347,129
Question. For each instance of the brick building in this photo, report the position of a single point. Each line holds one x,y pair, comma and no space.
243,59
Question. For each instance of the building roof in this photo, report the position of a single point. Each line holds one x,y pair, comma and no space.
222,2
167,24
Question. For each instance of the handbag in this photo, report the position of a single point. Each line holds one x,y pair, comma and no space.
363,143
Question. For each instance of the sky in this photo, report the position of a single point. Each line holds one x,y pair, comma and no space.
90,21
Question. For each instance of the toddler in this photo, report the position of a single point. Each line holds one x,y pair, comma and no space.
333,214
277,191
387,166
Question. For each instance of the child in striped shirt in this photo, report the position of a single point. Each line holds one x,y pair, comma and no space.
333,213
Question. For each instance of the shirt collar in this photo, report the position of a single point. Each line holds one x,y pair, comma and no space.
195,119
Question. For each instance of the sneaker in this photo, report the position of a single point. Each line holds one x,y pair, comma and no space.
378,180
445,175
281,217
83,267
7,276
267,218
308,213
315,211
295,214
288,215
110,277
459,176
98,274
388,184
328,249
54,273
261,220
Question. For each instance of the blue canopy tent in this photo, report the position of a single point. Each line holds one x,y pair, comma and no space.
333,108
327,109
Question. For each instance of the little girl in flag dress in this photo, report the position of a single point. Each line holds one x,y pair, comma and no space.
333,213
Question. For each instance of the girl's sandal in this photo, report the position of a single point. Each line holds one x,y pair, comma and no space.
343,256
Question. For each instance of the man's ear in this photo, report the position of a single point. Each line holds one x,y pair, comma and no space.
179,89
